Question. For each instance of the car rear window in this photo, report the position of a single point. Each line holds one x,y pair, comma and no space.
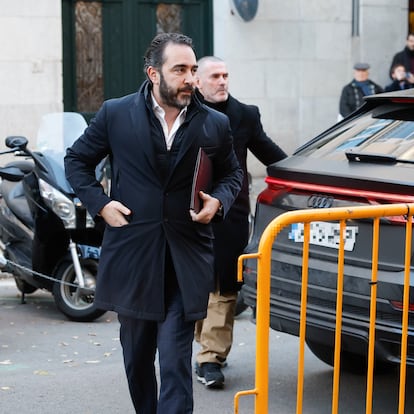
366,134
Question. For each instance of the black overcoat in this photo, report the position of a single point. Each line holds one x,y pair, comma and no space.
131,269
232,234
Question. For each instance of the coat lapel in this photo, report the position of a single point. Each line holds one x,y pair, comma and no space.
142,127
191,134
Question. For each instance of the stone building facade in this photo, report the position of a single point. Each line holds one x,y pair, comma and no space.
291,60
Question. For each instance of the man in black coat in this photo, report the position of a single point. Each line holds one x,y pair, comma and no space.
405,58
157,265
215,333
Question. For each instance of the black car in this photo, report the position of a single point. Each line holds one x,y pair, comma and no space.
366,159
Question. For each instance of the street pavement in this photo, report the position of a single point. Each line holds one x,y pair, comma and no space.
49,365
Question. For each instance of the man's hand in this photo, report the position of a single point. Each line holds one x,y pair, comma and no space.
210,207
114,214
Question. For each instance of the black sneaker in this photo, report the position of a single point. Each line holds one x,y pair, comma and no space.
210,375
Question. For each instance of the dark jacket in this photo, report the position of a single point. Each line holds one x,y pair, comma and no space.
352,97
131,268
397,85
231,235
405,58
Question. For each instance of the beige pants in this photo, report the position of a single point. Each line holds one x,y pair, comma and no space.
215,332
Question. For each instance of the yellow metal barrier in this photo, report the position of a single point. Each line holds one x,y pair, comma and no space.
261,390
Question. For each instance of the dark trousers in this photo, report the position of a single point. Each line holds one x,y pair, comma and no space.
173,338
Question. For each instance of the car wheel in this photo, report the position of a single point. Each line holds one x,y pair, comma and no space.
350,362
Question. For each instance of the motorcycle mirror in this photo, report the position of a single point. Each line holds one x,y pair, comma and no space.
11,173
16,142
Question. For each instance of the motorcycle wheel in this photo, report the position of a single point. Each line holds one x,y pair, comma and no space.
75,302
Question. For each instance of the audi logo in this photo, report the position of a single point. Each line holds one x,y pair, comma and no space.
320,201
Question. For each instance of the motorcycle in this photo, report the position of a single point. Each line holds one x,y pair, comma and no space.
48,239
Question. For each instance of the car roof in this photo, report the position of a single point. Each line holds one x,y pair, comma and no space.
402,96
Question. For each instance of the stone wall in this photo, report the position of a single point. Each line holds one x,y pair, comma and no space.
30,65
291,60
294,57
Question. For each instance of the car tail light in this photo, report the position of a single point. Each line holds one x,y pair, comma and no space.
397,305
276,186
403,100
273,190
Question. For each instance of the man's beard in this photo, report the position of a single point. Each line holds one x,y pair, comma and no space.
171,97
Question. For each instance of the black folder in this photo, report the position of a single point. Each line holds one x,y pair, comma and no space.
202,179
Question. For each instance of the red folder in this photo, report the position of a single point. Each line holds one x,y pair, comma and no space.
202,179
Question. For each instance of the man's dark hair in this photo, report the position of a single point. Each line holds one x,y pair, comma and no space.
154,56
393,67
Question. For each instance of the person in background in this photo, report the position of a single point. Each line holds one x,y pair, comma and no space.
215,332
352,96
405,58
157,262
399,79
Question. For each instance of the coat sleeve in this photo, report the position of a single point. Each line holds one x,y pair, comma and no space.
227,172
260,144
81,160
344,105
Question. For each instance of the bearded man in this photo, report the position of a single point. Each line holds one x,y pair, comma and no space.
157,264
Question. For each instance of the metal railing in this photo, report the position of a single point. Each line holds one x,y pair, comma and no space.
264,254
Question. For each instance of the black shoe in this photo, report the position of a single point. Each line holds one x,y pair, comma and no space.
210,375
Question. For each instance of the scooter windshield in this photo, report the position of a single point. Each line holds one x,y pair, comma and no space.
58,131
